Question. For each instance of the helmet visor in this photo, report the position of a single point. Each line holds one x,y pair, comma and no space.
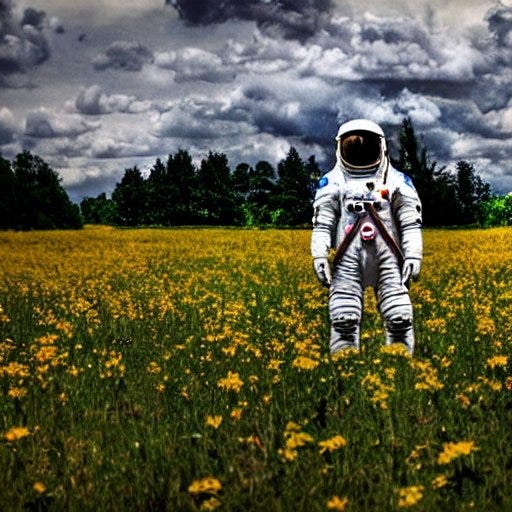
360,149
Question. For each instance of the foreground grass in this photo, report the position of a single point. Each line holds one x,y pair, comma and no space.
188,370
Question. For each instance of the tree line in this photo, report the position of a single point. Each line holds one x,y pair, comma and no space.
177,192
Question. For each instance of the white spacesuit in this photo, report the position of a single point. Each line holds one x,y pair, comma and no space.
371,214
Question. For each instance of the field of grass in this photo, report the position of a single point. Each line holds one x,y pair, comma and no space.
184,370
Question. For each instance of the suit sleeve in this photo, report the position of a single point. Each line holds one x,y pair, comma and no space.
325,218
408,215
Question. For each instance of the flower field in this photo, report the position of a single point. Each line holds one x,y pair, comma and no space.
188,370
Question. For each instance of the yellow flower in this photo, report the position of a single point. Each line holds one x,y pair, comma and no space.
39,487
232,382
210,504
337,503
409,496
332,444
305,363
294,439
15,392
464,400
153,368
16,433
213,421
453,450
236,413
495,361
439,481
207,485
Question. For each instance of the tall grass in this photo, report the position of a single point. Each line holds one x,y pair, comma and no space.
188,370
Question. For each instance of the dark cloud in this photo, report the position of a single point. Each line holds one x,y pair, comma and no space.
499,20
42,124
23,43
33,17
293,18
123,56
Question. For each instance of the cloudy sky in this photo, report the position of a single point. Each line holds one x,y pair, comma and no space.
96,86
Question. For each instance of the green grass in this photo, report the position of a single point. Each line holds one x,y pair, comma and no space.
148,322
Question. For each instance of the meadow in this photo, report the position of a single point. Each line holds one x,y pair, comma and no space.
185,370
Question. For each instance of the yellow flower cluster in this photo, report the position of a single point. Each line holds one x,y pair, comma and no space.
15,433
454,450
232,382
334,443
294,438
410,496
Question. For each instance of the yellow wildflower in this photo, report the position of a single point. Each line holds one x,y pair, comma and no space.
207,485
439,481
338,504
495,361
395,349
453,450
236,413
16,392
210,504
305,363
332,444
409,496
294,438
39,487
232,382
16,433
213,421
464,400
153,368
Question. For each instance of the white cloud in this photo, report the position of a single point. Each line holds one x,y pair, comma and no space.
43,123
8,126
94,101
192,63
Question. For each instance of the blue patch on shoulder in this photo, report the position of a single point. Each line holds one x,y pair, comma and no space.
408,181
323,182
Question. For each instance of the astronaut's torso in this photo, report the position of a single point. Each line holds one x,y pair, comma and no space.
354,197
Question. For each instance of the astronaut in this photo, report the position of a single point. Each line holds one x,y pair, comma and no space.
370,213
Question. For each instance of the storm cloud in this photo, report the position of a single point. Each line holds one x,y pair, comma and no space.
123,56
293,18
23,43
252,78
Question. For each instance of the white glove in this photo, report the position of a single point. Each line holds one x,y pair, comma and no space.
323,271
410,268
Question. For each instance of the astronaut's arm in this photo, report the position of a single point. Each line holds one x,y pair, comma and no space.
408,215
325,222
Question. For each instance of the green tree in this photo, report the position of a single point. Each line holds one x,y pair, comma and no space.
8,206
99,210
159,196
214,196
472,192
40,200
130,197
181,179
497,211
437,188
294,192
254,188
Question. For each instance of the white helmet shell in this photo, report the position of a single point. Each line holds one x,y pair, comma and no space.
359,125
375,134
